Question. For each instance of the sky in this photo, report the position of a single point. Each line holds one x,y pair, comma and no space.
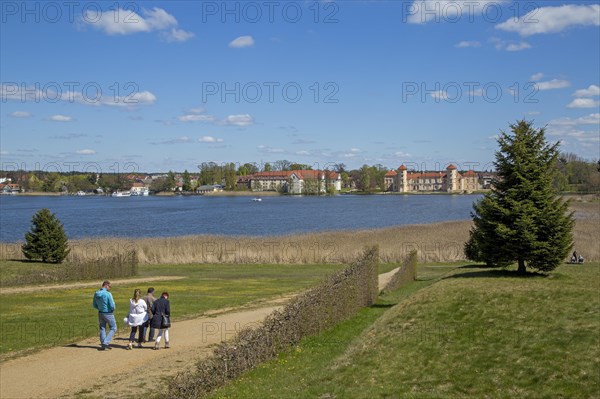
157,86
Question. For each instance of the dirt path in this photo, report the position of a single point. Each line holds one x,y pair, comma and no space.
23,290
80,369
385,278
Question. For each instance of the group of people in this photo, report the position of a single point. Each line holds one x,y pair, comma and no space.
145,314
576,258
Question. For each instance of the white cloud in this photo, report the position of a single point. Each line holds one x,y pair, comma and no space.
423,11
518,46
439,95
177,35
584,103
196,118
4,152
125,22
465,44
302,152
239,120
591,119
20,114
591,91
269,150
178,140
69,136
209,139
553,19
86,152
553,84
26,94
476,92
132,100
242,41
198,115
575,136
508,46
61,118
537,76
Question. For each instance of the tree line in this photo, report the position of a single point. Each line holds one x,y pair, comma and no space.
575,174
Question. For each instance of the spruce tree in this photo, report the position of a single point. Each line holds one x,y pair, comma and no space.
522,219
47,239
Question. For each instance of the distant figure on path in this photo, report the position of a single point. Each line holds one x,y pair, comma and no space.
138,315
149,298
104,302
580,259
161,307
575,257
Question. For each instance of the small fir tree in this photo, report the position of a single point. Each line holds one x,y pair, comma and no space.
522,219
47,239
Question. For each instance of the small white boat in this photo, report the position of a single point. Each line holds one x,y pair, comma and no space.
80,193
256,199
121,194
140,193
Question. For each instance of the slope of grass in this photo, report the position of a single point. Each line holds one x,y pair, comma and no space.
475,333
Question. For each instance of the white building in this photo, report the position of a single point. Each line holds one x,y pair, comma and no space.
295,181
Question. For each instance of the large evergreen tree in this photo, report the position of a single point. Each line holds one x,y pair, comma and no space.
47,239
522,219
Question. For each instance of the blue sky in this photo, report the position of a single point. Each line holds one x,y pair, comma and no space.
156,86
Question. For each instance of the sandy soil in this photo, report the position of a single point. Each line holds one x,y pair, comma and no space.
82,370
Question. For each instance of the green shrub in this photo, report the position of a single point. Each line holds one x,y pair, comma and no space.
47,239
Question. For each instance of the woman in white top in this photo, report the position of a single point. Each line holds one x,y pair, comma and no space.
138,315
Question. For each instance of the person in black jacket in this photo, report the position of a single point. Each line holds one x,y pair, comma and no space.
161,307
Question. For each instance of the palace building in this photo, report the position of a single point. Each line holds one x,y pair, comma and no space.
451,181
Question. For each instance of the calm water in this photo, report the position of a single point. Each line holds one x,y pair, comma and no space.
175,216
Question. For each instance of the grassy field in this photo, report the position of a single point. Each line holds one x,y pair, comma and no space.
474,333
47,318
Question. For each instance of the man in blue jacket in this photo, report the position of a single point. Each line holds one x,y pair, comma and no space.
103,301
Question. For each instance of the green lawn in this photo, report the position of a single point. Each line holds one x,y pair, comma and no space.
47,318
474,333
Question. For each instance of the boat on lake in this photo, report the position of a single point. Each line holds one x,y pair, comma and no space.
121,194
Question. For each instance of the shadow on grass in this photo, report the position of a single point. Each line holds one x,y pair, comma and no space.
486,272
382,305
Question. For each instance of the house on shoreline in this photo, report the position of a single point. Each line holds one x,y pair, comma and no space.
451,181
293,181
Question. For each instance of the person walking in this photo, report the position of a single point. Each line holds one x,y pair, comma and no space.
138,315
104,302
161,307
149,299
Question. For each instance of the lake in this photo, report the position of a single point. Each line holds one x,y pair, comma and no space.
133,217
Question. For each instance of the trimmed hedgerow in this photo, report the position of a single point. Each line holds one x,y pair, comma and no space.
404,275
322,307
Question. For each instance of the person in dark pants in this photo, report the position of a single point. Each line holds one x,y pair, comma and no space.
149,299
138,315
161,307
